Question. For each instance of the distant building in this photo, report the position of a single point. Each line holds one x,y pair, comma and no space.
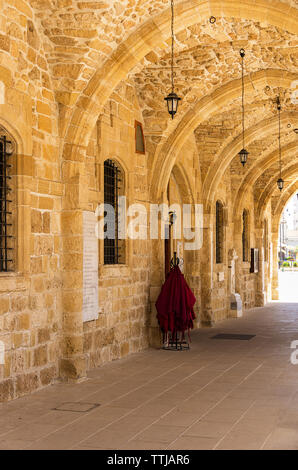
288,230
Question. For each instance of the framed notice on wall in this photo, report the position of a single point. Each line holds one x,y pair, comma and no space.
254,260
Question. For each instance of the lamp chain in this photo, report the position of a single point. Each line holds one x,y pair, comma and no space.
242,67
279,144
172,60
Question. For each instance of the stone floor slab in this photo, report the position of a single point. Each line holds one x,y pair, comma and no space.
219,395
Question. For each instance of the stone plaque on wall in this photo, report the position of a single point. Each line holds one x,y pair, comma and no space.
90,267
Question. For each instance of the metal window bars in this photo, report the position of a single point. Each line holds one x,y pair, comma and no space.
111,192
219,232
6,225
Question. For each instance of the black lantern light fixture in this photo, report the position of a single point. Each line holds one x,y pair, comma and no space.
243,154
280,181
172,99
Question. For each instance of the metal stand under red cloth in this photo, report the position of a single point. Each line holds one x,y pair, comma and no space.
174,342
175,313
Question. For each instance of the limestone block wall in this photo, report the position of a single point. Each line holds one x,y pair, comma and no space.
220,294
247,281
123,302
30,311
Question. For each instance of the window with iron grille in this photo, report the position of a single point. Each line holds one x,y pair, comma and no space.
114,249
245,245
219,232
6,220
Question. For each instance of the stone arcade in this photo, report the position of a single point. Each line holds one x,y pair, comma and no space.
81,85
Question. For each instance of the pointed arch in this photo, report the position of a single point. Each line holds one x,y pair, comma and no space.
201,111
148,36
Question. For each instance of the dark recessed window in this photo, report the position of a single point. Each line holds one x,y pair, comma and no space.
6,221
265,240
114,249
219,232
140,141
245,234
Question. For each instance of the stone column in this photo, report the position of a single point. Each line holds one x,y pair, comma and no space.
73,361
193,278
156,281
157,278
235,298
238,265
260,298
207,272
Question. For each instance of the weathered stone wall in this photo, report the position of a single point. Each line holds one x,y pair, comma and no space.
30,312
220,294
247,281
123,289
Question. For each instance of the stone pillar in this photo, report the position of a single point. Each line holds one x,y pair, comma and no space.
235,298
260,281
238,250
157,279
192,276
207,273
274,281
73,361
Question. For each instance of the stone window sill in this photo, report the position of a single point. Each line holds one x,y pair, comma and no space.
115,269
12,281
10,274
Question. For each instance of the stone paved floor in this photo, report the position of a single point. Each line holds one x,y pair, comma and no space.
222,394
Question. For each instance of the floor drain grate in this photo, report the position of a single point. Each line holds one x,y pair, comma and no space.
79,407
233,336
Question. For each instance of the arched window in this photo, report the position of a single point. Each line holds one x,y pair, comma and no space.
265,240
114,248
139,137
7,252
219,232
245,235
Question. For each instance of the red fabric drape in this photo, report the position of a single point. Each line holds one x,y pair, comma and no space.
175,303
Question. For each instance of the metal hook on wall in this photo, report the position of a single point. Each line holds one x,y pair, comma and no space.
175,260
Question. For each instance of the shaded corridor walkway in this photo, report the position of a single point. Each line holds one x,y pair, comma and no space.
222,394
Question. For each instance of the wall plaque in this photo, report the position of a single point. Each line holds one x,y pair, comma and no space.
90,267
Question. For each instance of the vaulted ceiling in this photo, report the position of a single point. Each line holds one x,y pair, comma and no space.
81,36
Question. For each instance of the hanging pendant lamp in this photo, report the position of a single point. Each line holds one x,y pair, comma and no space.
243,154
280,181
172,99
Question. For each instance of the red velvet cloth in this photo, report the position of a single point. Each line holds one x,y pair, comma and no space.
175,303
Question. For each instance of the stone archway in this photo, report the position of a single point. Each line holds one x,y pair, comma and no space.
149,35
166,154
283,201
177,191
